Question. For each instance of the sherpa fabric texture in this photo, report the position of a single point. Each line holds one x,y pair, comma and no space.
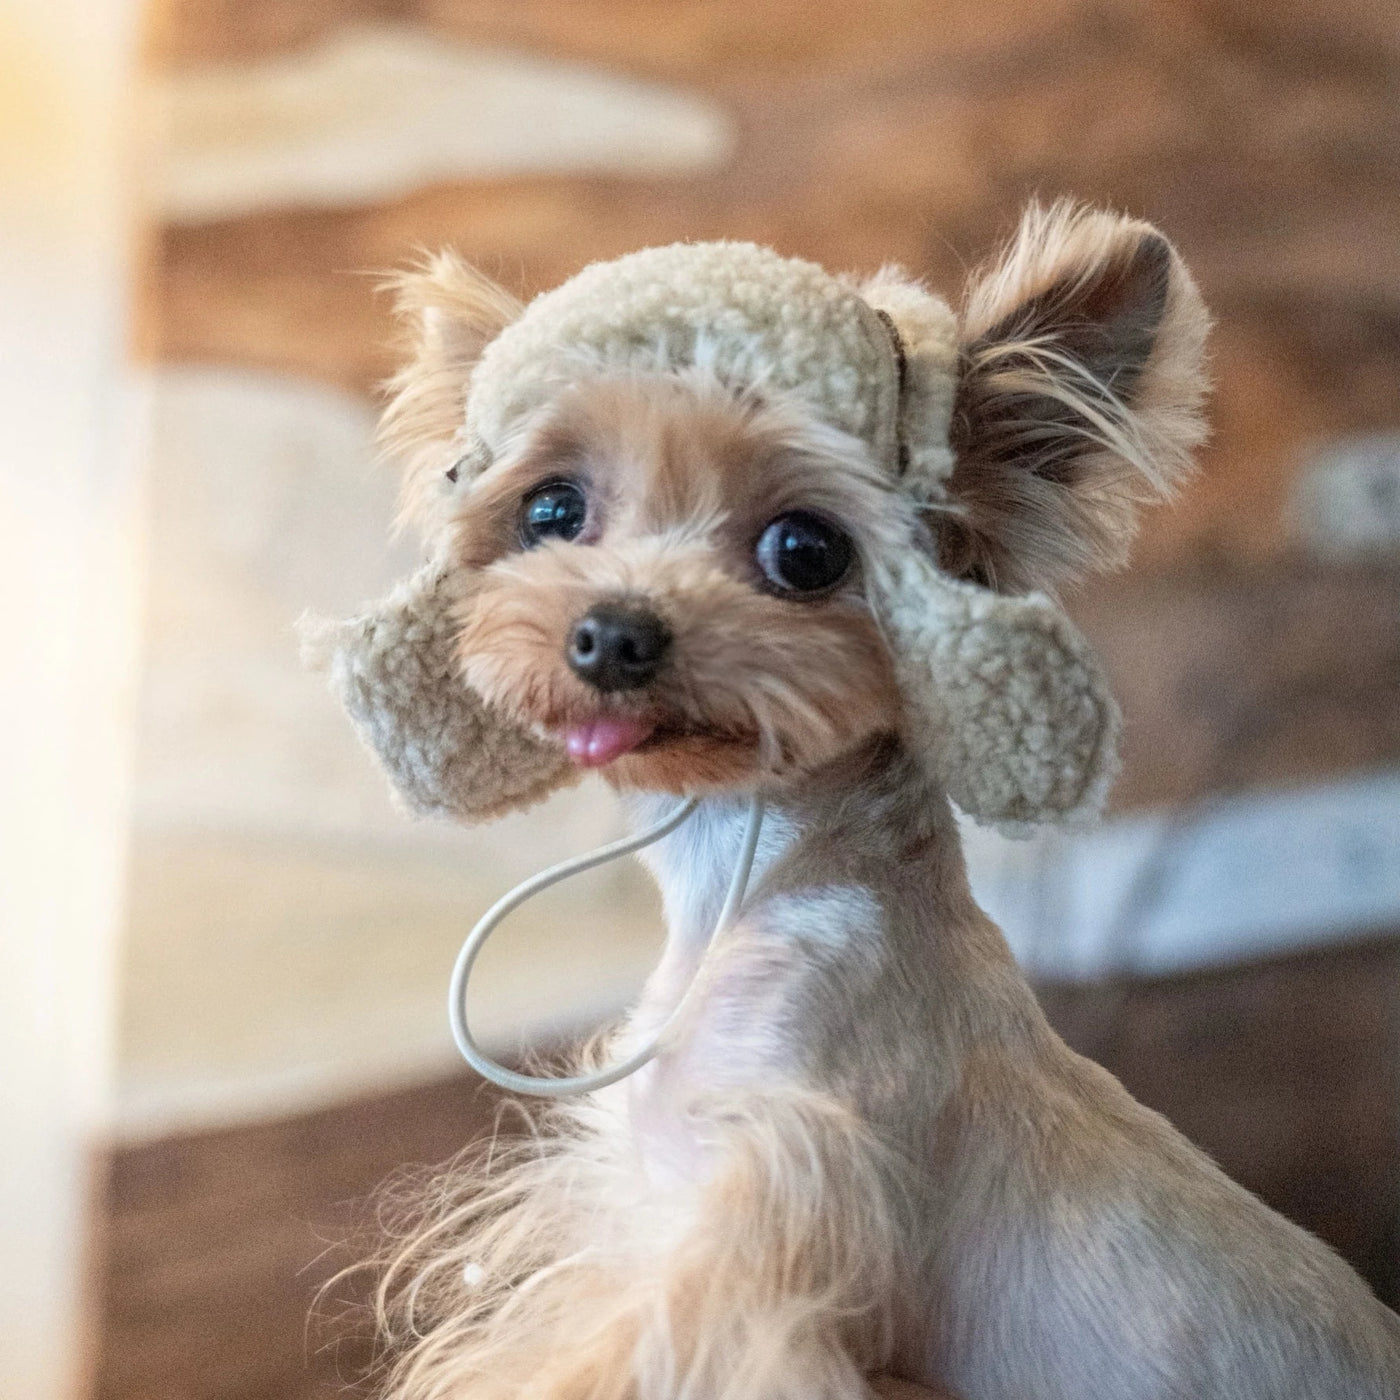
928,335
754,318
447,755
1003,701
1002,696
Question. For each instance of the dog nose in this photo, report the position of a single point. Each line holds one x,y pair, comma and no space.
617,646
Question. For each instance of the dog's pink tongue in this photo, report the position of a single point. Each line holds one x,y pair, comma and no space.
599,741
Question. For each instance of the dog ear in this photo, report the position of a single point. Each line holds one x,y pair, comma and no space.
1079,384
396,671
448,312
1003,699
396,668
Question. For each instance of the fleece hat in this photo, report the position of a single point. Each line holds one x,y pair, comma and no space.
778,324
1003,701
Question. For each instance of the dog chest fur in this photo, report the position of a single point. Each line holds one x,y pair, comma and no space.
863,972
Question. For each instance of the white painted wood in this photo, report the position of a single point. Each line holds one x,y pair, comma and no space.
376,112
291,932
1254,876
1346,502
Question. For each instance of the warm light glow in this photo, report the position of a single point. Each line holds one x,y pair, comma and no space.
68,533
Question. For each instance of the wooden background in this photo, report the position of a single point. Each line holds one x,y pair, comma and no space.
1264,139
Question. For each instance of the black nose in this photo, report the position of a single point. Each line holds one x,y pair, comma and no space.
618,646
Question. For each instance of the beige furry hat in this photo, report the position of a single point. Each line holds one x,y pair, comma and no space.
1024,434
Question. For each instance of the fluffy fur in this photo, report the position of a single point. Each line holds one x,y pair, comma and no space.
1078,398
759,1280
395,669
864,1150
857,381
448,313
682,476
752,318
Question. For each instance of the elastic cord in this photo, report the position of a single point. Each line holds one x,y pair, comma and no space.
545,1087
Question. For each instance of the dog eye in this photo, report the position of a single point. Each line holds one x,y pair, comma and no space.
801,553
555,511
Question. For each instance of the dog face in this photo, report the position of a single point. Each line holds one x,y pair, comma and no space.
698,514
669,583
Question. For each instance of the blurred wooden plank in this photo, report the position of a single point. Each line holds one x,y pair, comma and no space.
217,1243
1239,676
678,40
184,32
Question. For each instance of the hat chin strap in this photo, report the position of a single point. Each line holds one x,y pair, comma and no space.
564,1087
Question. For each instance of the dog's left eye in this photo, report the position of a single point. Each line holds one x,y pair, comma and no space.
555,511
800,552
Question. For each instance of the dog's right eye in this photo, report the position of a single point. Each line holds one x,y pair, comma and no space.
555,511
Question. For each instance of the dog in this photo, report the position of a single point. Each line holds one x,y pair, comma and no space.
707,521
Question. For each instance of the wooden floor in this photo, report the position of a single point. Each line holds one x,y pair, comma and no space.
218,1242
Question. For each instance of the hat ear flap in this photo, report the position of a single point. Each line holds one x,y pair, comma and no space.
447,753
395,668
1004,701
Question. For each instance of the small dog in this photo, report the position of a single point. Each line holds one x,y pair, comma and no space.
708,521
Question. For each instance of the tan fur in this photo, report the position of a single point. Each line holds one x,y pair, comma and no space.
681,479
448,312
1041,497
708,1289
863,1150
